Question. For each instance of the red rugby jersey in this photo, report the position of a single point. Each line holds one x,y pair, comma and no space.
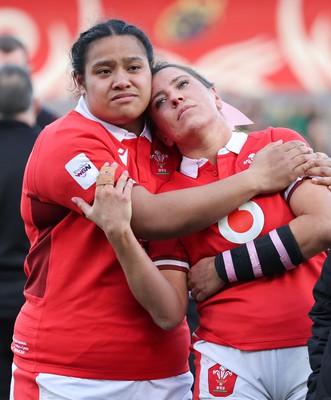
268,313
80,318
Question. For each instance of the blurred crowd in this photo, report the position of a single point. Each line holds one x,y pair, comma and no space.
308,114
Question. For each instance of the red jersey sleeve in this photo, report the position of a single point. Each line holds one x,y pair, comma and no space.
74,149
169,254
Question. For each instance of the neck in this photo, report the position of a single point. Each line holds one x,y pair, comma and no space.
207,144
205,151
135,127
26,117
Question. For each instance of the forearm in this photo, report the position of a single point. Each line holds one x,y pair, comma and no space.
315,239
274,252
306,235
278,251
181,212
151,289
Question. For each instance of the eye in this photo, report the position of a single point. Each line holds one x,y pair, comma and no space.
134,67
183,83
158,103
104,71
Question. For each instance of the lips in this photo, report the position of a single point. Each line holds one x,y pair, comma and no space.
182,110
120,96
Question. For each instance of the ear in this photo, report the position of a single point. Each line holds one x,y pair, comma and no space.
218,100
79,79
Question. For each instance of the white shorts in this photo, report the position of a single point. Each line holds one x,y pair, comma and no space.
250,375
41,386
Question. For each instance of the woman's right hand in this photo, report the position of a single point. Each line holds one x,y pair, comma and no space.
279,164
112,208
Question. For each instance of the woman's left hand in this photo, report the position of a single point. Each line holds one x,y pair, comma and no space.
321,172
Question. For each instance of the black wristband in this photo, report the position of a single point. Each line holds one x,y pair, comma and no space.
275,252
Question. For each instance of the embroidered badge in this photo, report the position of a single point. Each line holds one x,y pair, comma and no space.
160,160
221,381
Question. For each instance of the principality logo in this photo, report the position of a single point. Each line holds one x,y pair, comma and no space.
221,381
160,159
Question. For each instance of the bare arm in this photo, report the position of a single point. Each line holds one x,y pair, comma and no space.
312,226
311,229
174,214
164,294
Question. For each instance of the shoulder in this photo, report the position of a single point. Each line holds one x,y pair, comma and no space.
273,134
70,127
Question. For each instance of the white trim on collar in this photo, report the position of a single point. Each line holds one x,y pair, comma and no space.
119,133
235,144
190,166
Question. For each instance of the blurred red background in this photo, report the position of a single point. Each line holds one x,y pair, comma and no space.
270,58
247,47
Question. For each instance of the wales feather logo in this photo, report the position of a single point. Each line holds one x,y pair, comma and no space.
221,381
160,159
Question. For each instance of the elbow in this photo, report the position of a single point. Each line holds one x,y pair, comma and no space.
323,238
168,324
148,229
152,229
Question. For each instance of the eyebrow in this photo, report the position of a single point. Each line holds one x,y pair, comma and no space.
171,83
112,62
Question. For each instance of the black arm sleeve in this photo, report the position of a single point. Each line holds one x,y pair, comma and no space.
274,252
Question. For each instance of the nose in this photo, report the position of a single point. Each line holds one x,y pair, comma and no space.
120,80
176,99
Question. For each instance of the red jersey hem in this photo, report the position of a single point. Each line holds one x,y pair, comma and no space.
85,374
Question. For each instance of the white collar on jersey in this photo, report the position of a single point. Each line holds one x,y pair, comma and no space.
190,166
119,133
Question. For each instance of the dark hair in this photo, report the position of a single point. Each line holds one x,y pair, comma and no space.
189,70
112,27
9,43
16,90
